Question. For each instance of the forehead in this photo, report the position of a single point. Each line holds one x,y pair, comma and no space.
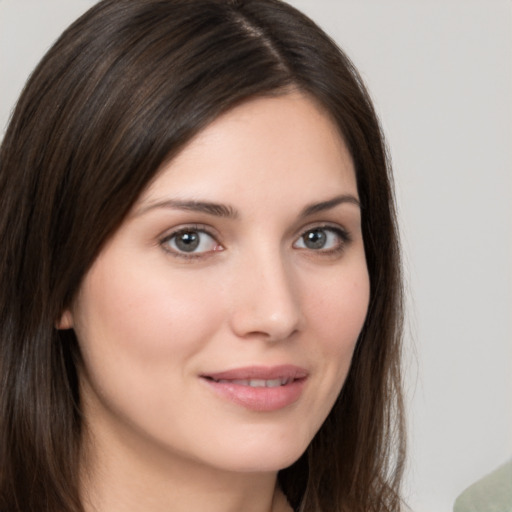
270,147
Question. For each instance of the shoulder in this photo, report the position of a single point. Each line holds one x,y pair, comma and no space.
493,493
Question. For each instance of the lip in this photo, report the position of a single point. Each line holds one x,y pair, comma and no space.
262,398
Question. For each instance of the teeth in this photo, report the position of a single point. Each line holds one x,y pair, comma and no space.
273,383
257,383
240,382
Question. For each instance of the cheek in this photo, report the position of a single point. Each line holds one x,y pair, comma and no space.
145,313
338,311
139,334
139,331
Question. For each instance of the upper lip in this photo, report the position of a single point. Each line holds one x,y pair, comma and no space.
286,371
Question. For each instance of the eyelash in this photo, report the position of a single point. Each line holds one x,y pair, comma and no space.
343,236
189,230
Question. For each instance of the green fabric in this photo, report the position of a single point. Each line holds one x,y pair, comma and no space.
493,493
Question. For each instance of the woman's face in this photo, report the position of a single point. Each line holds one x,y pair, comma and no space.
218,323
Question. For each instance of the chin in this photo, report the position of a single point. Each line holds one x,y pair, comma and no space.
269,457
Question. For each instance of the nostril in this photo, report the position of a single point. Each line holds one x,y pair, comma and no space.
265,303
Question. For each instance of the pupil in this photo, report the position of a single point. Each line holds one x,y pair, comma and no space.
315,239
188,241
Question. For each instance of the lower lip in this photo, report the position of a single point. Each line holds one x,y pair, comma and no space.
260,399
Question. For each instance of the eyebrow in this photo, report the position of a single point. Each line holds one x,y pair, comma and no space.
329,204
227,211
216,209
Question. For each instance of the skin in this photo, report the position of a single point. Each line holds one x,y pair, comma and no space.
151,319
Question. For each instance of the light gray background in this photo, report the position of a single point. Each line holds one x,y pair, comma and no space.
440,73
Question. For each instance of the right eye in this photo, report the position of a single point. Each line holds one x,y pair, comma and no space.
323,239
190,241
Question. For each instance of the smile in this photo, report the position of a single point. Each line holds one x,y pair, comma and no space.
257,383
260,389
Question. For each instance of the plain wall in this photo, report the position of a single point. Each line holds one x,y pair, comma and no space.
440,73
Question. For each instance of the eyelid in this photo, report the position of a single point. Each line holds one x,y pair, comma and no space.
177,230
333,226
340,231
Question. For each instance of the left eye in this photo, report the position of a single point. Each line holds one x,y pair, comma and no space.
322,238
189,241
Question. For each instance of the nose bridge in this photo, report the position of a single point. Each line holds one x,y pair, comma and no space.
266,301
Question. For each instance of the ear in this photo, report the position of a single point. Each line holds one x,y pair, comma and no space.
65,321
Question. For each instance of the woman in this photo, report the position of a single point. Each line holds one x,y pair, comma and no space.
201,299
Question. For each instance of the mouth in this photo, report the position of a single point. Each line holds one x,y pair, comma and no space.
255,383
258,388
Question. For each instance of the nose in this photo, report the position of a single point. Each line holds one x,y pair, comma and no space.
267,302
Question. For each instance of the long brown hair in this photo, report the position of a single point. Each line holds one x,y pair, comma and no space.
122,90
